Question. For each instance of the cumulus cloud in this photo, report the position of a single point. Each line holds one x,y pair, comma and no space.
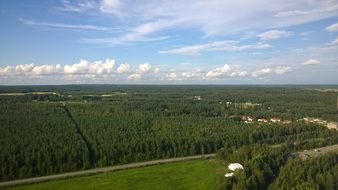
141,70
261,72
157,70
24,68
123,68
172,76
311,62
134,76
83,67
144,68
282,69
333,27
279,70
98,67
274,34
214,46
47,69
226,70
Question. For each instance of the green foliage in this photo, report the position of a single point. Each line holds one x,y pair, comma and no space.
260,162
38,139
39,136
315,173
194,175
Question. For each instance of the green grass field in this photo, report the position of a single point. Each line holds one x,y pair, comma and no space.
196,174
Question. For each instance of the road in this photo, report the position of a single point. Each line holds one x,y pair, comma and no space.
303,155
102,170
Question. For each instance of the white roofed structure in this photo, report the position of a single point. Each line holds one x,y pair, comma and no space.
235,166
229,174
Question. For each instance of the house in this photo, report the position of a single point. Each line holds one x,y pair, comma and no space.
235,166
247,119
287,122
314,120
262,120
332,125
197,97
275,120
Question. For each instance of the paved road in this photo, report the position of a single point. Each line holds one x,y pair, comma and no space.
102,170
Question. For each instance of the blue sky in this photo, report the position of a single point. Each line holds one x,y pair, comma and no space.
169,42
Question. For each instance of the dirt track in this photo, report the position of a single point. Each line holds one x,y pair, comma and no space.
317,151
102,170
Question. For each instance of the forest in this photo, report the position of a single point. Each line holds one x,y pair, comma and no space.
88,126
274,168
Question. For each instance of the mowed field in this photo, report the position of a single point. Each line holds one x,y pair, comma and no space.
196,174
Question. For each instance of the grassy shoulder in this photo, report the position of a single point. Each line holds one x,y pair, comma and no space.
196,174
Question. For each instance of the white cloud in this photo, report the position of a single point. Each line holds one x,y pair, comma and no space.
157,70
261,72
64,26
214,46
274,34
31,69
123,68
98,67
144,68
333,27
47,69
134,76
77,6
279,70
226,70
311,62
24,68
140,33
6,70
172,76
186,75
282,69
291,13
334,42
110,6
140,71
213,17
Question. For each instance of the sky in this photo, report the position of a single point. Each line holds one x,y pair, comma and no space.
168,42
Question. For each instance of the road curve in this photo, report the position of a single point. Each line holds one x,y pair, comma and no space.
102,170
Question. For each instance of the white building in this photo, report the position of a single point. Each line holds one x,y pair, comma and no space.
235,166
